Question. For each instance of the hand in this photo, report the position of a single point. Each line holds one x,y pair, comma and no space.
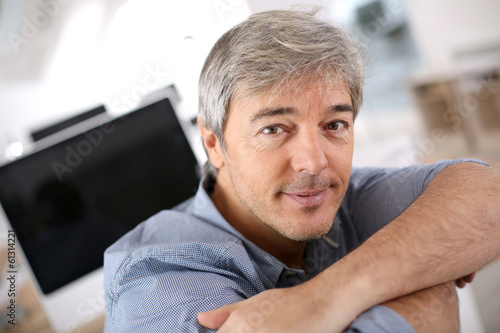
462,282
294,309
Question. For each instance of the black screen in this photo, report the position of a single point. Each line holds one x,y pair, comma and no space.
69,202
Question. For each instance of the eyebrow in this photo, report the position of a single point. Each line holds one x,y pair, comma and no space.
341,108
271,112
279,111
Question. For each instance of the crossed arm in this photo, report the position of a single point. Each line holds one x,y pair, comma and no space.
433,309
450,231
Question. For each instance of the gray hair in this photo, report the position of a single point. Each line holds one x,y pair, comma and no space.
269,51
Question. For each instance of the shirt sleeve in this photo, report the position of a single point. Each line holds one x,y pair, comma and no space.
380,319
147,296
158,287
376,196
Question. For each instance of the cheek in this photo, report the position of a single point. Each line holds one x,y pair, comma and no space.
250,151
340,152
340,160
259,158
347,140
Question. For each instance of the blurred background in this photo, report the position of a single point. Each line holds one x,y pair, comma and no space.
432,90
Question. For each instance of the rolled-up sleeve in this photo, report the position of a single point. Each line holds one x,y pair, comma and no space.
380,319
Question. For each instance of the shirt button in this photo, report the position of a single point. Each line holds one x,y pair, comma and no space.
290,278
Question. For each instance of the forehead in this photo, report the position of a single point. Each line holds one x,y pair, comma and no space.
319,90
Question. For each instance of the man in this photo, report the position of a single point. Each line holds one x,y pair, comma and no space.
268,234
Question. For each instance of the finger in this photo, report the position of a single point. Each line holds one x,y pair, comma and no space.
460,283
469,278
216,318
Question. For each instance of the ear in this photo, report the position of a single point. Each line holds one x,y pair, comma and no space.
212,146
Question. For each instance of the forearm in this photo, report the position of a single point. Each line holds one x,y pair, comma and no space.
434,309
451,230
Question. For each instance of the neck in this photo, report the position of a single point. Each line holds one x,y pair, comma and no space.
288,251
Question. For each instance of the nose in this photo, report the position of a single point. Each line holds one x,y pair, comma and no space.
308,153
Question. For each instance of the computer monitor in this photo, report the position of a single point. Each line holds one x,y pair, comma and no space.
71,200
55,128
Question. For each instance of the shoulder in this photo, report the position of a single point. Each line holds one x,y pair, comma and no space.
376,196
173,234
412,179
173,266
174,243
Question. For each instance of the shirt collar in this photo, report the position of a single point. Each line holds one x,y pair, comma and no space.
205,209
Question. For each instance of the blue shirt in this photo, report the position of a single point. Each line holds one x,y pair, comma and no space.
187,260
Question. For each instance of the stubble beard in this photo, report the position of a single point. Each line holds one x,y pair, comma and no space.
306,182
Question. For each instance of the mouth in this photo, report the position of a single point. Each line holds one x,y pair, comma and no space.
308,198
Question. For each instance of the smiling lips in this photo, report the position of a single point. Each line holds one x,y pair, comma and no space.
308,198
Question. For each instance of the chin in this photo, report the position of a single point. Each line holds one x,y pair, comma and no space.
307,232
303,237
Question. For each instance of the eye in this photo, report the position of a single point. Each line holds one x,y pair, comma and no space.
272,130
336,126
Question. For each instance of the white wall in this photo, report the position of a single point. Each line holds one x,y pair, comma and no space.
71,55
444,27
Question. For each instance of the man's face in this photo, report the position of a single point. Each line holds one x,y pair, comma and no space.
287,161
